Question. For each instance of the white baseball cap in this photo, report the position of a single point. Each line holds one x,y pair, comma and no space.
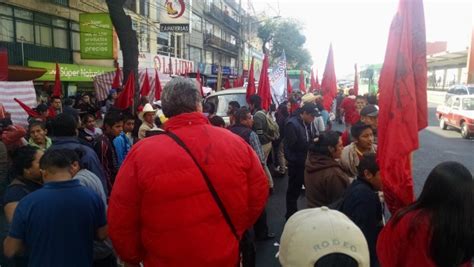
311,234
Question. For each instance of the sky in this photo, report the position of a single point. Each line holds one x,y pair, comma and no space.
358,29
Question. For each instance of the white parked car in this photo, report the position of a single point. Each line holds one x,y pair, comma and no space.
222,99
457,112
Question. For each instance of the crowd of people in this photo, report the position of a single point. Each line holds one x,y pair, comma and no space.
175,185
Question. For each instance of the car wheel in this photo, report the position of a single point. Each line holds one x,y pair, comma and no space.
464,131
442,124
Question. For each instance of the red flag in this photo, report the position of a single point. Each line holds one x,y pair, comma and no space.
157,86
356,81
227,84
125,98
264,85
318,86
31,112
146,85
198,78
302,83
403,102
329,82
57,91
313,86
250,83
116,82
3,64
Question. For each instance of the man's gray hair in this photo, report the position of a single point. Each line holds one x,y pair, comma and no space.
180,96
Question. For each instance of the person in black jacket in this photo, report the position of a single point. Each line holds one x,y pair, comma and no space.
281,117
297,139
362,203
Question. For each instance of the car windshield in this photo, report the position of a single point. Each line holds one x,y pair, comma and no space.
468,104
222,102
471,90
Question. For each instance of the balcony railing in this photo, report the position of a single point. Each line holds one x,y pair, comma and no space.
217,42
218,14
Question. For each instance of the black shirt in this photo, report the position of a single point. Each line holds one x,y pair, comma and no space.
18,189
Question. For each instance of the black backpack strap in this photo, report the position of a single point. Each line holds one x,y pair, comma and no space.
209,184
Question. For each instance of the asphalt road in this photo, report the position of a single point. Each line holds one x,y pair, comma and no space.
436,146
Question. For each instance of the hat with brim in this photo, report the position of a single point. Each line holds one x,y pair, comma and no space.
308,98
147,109
370,111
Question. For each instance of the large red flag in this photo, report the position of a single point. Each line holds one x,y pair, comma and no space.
57,90
313,86
289,89
318,86
31,112
329,82
116,82
3,64
125,98
264,85
250,83
146,85
302,83
356,81
403,102
227,84
157,86
198,78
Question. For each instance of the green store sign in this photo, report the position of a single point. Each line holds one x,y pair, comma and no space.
69,72
96,36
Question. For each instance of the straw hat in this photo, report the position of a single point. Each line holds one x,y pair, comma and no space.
147,109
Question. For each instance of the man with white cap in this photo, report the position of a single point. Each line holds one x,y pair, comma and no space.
322,237
147,116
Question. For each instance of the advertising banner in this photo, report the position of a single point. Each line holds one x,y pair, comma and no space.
175,15
164,64
69,72
96,36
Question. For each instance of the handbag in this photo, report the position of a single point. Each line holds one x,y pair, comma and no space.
209,184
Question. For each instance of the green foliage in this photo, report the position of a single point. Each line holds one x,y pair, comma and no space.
285,35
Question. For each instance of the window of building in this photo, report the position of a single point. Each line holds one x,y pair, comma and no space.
233,40
195,54
6,29
144,35
162,42
60,38
232,62
217,32
179,46
131,5
61,2
209,27
75,37
208,57
24,32
23,14
61,23
197,22
144,8
43,35
6,10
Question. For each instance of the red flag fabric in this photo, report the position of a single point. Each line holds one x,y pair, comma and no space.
289,89
318,86
356,81
31,112
3,64
198,78
157,86
250,83
329,82
227,84
313,85
403,102
57,90
264,85
146,85
116,83
302,83
125,98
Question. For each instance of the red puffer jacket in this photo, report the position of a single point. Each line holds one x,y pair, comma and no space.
161,211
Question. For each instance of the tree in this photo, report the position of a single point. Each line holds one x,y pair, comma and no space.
285,35
128,43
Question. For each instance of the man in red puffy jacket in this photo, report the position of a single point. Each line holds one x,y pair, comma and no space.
162,213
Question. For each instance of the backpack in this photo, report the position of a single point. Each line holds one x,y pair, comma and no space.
273,131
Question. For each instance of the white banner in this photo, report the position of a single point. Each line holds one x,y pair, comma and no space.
278,80
164,64
23,91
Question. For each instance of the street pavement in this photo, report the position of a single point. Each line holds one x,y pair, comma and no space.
436,146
